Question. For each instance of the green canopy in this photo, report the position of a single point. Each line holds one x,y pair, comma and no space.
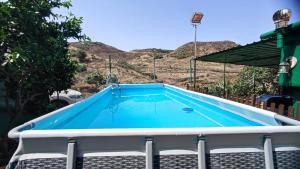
261,54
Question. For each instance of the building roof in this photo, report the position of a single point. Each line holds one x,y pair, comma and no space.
261,54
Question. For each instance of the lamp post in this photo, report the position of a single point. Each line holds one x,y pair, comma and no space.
154,66
109,64
196,20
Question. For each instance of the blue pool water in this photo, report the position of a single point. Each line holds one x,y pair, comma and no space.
143,107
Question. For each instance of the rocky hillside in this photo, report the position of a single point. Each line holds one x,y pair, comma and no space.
151,50
136,66
203,48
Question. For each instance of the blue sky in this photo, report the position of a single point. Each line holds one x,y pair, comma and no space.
136,24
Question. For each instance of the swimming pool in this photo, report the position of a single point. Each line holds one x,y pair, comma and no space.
121,123
156,106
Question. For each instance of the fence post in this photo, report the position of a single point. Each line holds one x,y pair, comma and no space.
291,112
264,105
226,94
206,90
273,107
257,104
240,100
253,100
281,109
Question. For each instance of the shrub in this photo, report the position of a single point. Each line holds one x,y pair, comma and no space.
265,83
81,67
81,55
95,78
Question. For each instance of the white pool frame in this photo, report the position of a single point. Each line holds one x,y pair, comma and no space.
233,139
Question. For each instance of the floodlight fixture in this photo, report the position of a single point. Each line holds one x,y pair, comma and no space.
197,17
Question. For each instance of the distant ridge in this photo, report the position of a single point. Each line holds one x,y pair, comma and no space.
203,48
136,66
152,50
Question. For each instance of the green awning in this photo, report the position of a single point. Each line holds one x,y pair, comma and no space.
261,54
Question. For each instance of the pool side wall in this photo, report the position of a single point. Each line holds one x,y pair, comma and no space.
169,151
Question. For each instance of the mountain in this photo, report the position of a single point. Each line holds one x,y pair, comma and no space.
136,66
151,50
98,50
203,48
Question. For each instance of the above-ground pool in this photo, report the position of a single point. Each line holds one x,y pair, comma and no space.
157,126
155,106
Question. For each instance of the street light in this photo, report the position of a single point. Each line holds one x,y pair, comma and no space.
197,17
196,20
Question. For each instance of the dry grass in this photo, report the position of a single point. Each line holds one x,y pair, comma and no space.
137,66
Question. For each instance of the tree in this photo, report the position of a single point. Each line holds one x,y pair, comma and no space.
81,55
34,52
265,81
243,85
95,78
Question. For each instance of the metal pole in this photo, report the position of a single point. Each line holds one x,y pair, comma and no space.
254,74
268,151
191,73
149,153
224,80
201,153
224,76
109,64
154,67
71,155
195,50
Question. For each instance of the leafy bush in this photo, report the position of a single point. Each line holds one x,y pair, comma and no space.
81,55
81,67
265,83
112,79
95,78
217,89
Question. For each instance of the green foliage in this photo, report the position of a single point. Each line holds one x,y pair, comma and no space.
157,55
265,82
34,51
95,78
216,89
128,66
242,85
112,78
81,67
81,55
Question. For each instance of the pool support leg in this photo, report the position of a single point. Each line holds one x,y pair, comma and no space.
268,152
201,153
149,153
71,154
